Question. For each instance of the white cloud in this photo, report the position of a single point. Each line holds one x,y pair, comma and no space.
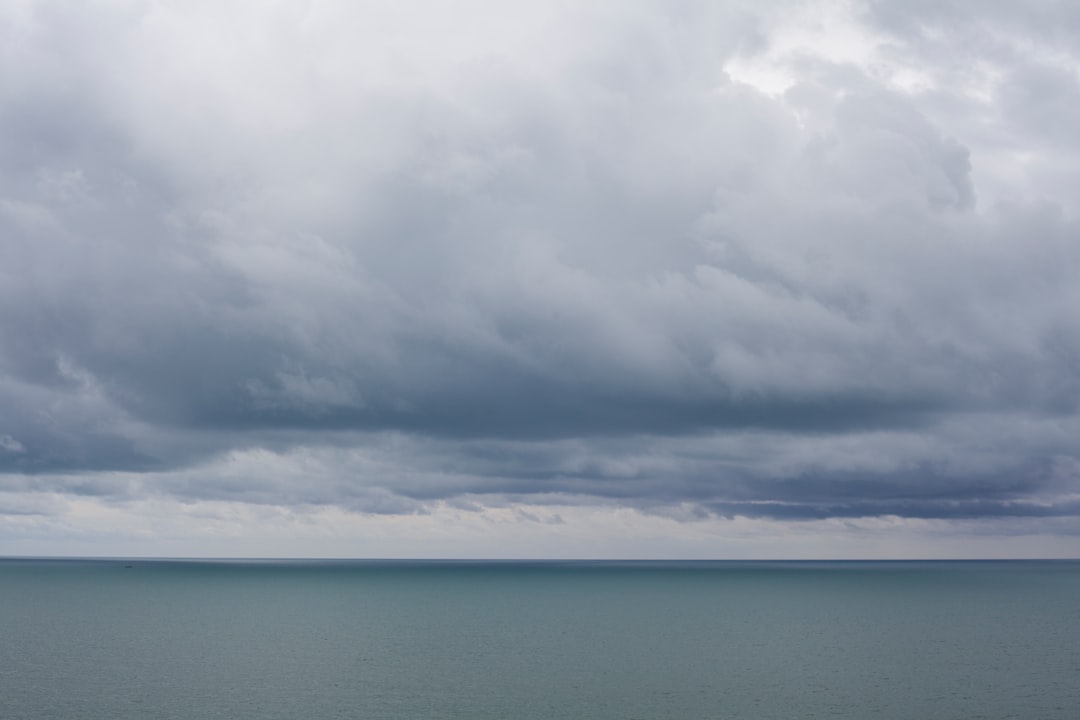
813,259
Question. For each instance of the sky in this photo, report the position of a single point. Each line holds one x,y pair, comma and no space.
625,279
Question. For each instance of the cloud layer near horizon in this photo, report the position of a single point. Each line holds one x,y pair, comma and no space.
818,262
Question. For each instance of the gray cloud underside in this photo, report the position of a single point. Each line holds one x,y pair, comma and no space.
593,270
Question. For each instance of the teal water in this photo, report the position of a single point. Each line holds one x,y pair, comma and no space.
93,640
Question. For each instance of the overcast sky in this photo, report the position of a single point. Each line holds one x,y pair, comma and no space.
575,279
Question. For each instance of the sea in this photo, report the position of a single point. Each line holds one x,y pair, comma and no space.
396,640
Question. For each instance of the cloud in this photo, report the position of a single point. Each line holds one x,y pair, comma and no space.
331,254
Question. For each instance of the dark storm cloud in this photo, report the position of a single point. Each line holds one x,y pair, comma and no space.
499,266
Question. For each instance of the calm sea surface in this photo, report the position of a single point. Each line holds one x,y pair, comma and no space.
92,640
